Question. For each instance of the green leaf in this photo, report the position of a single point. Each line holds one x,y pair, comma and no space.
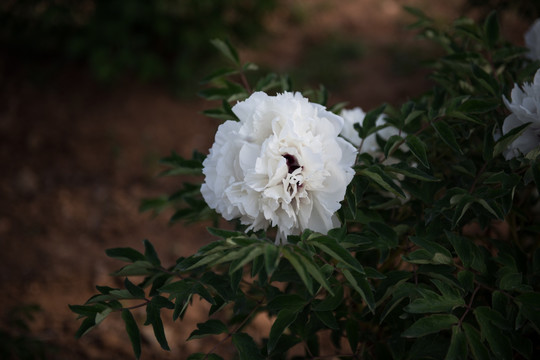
411,172
218,74
352,329
87,325
392,143
491,28
225,47
284,318
134,289
328,319
252,254
368,124
387,236
382,179
418,148
458,345
477,106
362,287
508,138
210,327
447,135
468,252
313,270
336,251
246,346
330,302
431,302
478,349
529,306
498,343
125,254
271,258
153,317
430,325
137,268
150,253
300,269
133,332
292,302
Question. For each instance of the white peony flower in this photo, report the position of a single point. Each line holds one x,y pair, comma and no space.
532,41
283,164
356,116
525,108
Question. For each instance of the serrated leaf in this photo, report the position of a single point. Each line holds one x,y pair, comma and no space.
313,270
141,268
491,29
253,252
418,148
458,345
125,254
447,135
476,106
246,347
134,289
328,319
150,253
87,325
411,172
352,329
284,318
153,317
383,180
504,142
337,252
529,304
387,235
133,332
300,269
292,302
478,349
210,327
360,284
498,343
430,325
368,124
330,302
225,47
271,258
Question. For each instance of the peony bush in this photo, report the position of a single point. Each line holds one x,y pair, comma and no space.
405,232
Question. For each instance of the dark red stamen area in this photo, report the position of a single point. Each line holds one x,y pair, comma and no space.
292,163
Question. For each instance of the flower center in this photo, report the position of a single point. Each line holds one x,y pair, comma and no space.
292,163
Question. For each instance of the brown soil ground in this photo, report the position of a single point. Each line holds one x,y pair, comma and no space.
77,157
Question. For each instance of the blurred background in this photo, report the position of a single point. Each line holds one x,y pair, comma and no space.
94,92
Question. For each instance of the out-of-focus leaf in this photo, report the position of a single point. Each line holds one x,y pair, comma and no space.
447,135
210,327
458,345
133,332
125,254
430,324
474,340
284,318
225,47
246,347
418,148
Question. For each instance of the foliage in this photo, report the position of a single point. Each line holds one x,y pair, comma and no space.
163,39
438,256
